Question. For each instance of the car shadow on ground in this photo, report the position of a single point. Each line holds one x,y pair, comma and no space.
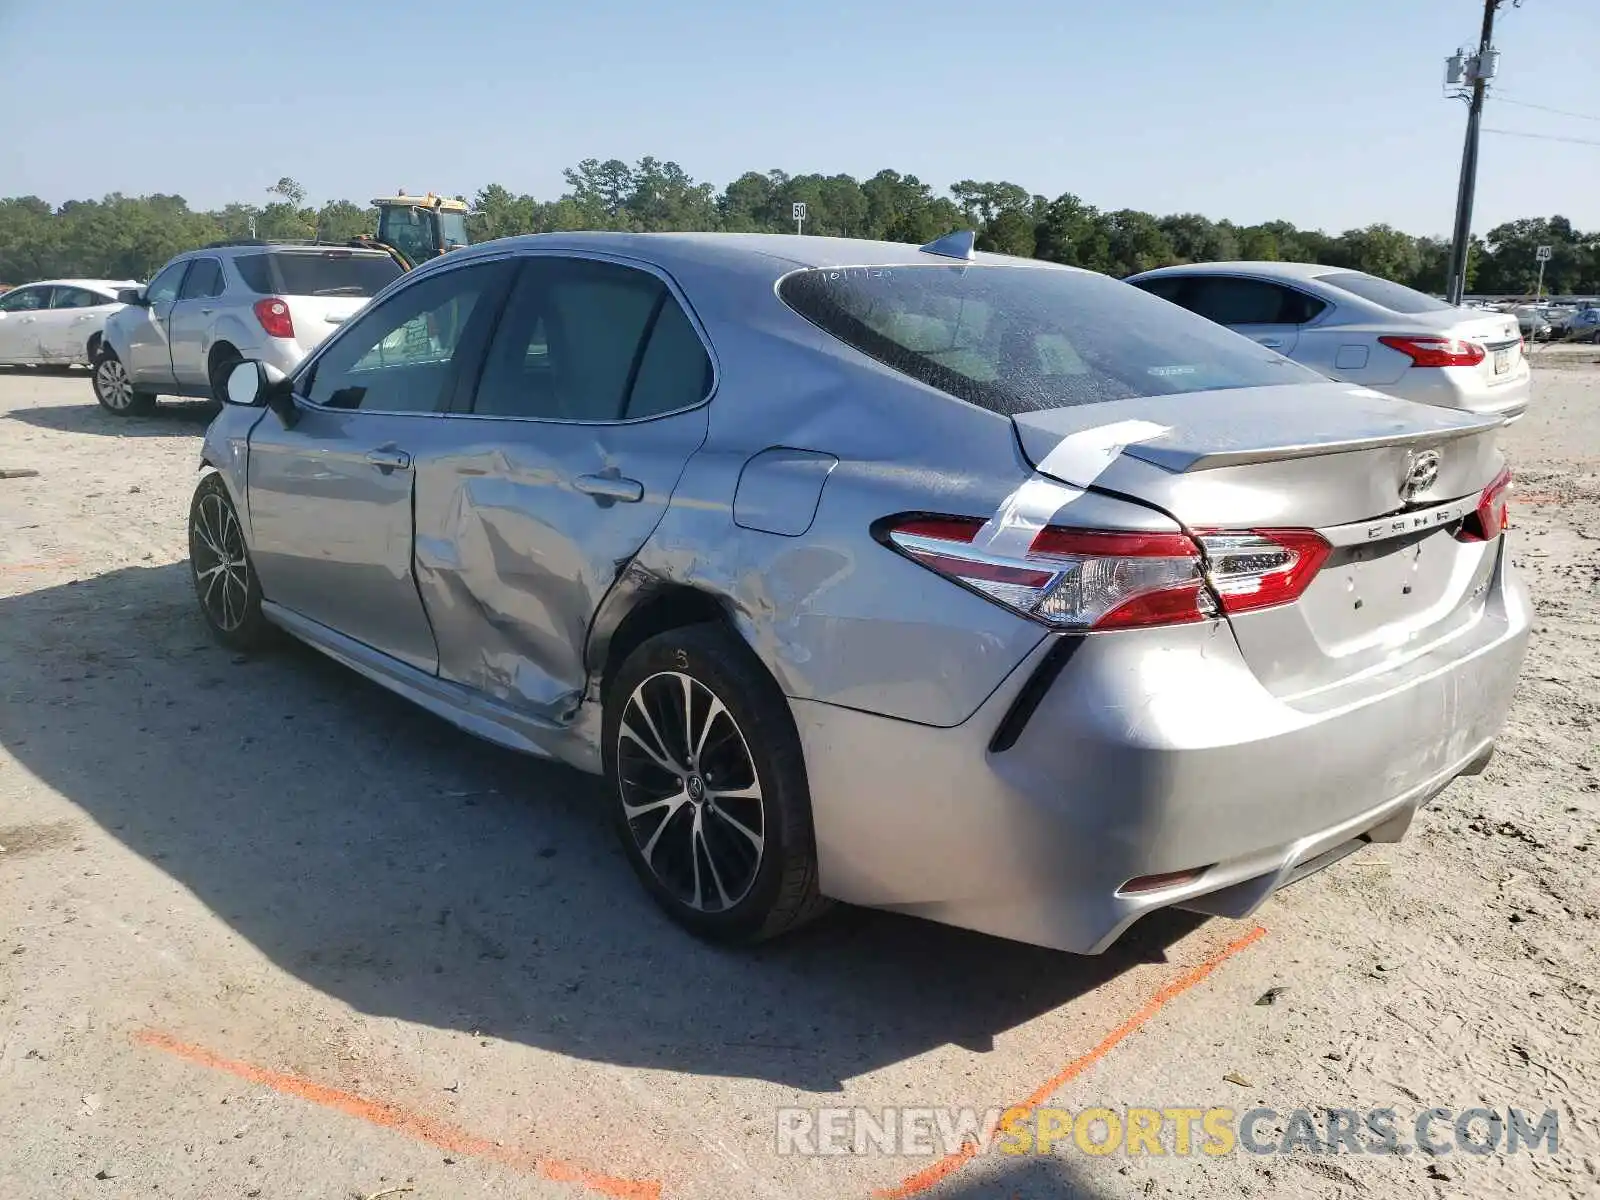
172,418
388,860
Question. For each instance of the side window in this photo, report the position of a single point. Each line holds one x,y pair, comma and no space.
400,357
674,371
75,297
1168,287
204,279
583,340
163,288
1229,301
28,299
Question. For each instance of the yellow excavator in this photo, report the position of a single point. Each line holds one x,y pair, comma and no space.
415,229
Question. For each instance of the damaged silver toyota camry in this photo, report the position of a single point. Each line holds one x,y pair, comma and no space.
987,590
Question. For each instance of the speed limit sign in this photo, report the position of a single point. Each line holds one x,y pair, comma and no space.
1542,254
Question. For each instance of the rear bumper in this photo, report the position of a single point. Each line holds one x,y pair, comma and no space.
1464,388
1151,752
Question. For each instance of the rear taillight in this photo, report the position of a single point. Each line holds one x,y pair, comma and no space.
1261,568
1437,351
1488,520
1089,579
273,314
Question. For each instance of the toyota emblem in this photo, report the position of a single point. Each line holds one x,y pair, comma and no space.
1422,472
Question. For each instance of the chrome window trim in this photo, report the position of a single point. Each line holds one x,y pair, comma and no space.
308,364
673,290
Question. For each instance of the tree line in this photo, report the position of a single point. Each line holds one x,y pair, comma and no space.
131,236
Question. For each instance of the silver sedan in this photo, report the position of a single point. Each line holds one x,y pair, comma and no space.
982,589
1357,328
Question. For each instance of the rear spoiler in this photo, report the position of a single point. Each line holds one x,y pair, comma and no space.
1181,461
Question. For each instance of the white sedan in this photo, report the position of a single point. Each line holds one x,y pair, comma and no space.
57,320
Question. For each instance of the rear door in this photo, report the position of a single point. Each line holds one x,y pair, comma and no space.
555,470
20,310
331,494
76,314
193,317
149,350
1266,312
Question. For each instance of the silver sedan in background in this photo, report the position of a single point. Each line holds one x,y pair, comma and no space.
1361,329
982,589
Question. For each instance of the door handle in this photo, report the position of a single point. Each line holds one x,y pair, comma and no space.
388,459
1271,343
609,486
208,311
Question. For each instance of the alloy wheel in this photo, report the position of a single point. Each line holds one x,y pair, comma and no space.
691,795
221,568
115,388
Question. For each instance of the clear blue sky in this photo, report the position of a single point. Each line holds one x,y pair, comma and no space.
1323,112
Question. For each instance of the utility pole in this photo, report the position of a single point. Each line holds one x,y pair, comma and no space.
1474,71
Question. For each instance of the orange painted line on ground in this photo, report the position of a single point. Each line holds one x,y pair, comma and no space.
926,1178
415,1125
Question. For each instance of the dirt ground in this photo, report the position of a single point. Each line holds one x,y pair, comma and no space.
266,931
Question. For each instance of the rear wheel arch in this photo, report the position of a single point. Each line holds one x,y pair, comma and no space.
658,610
92,347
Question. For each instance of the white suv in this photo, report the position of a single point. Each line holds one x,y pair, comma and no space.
208,309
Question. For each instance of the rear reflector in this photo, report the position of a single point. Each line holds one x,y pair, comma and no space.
1437,351
1488,520
1089,579
1154,883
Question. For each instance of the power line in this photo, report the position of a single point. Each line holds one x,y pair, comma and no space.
1543,137
1544,108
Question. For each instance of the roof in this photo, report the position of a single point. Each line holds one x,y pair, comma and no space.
1264,270
104,285
710,249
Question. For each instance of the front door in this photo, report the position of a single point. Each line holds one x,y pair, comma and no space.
330,495
532,499
149,353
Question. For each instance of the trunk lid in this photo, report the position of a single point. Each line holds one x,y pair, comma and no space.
1330,457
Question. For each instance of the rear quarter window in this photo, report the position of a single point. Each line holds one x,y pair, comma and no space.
316,273
1021,339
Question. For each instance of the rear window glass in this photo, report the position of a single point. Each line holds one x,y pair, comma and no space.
1396,297
316,272
1021,339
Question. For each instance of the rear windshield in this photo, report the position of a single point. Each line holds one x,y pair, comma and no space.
1021,339
1396,297
316,272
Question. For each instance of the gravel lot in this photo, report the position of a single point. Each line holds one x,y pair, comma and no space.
266,931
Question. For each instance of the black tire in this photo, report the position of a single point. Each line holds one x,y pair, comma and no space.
116,392
223,360
744,900
225,581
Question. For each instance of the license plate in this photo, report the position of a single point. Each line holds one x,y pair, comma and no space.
1502,361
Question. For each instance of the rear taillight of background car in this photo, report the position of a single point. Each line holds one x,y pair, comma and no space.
1091,579
1488,520
1437,351
273,314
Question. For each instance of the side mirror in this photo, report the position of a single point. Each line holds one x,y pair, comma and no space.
247,384
132,296
254,384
